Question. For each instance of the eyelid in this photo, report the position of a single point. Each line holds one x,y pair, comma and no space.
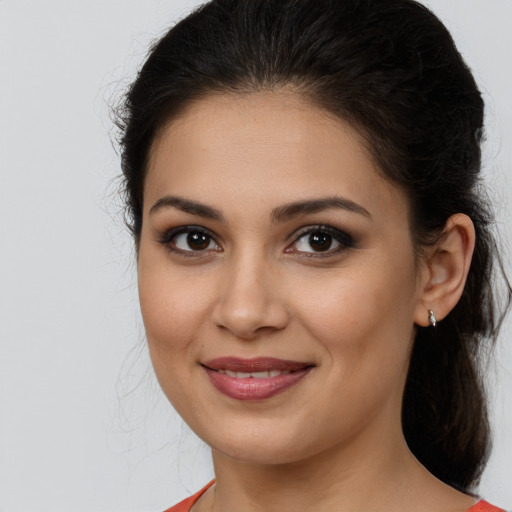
345,240
166,238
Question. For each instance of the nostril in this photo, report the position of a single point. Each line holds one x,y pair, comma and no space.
250,325
248,305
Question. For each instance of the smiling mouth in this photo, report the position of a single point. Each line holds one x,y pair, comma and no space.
254,379
255,375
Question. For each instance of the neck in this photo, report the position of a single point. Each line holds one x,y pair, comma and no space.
337,479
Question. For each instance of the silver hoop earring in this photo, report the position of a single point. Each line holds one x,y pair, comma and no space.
432,318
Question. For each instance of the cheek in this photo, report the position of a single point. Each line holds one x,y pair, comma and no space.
364,327
174,313
362,315
174,307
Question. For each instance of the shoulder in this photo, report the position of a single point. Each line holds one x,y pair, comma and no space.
483,506
187,503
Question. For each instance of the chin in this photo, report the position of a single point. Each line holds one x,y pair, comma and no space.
251,445
259,454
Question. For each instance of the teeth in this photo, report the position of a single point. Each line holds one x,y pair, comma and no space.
238,375
258,375
255,375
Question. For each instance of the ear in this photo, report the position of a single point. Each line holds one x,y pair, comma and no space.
445,269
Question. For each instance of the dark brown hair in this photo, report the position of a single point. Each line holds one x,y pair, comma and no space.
391,69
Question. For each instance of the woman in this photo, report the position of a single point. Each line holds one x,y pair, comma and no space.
315,262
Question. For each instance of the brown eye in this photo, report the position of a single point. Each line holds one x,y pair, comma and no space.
317,241
190,240
198,241
320,242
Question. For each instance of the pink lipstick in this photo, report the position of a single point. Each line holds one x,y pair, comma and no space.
254,379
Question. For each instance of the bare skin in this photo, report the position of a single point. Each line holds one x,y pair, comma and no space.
227,171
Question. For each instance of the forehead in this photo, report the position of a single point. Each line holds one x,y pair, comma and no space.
274,145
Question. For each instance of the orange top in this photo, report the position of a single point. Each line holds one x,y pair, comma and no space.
186,504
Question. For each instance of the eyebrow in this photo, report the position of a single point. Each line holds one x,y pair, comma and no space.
288,211
187,206
279,214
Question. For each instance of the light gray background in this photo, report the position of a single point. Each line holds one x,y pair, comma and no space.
83,426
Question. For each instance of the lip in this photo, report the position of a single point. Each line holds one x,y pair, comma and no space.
258,364
251,388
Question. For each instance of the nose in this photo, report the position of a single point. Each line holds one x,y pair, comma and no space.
249,302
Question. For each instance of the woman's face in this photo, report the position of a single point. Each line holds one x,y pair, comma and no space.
277,279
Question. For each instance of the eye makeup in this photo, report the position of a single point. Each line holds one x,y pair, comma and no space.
320,241
189,241
316,241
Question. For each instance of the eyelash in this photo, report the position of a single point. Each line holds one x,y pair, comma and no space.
344,240
168,237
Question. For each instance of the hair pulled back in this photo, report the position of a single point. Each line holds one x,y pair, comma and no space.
391,69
